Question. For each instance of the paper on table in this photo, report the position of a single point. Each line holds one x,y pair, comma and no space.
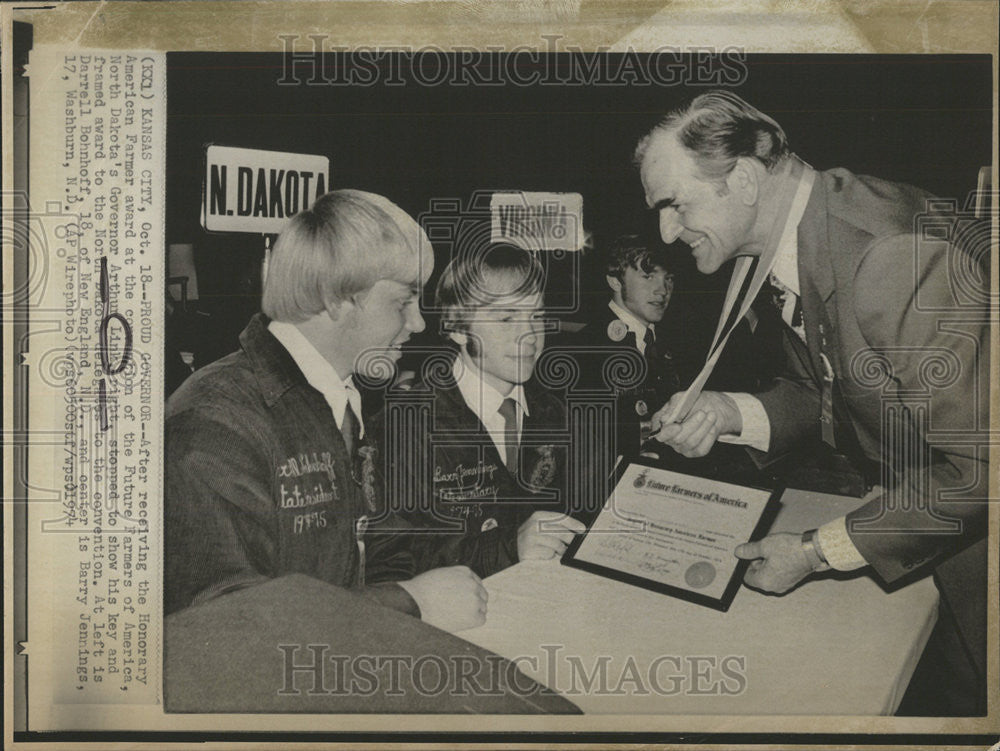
673,529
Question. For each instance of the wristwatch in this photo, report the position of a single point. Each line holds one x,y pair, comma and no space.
814,553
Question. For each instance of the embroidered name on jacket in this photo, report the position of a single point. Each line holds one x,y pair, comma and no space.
460,473
465,483
306,480
311,495
304,464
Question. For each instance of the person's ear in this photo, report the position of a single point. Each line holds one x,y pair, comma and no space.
615,283
452,328
744,180
333,310
337,309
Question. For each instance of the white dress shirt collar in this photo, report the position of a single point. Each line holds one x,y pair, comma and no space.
479,395
786,258
485,401
319,373
635,325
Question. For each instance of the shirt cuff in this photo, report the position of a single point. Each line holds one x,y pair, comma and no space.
837,547
756,427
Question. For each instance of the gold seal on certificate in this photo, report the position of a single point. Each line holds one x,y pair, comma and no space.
674,533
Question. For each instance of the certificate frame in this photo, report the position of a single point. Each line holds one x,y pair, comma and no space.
722,603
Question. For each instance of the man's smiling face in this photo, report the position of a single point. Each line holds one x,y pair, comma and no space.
705,215
645,293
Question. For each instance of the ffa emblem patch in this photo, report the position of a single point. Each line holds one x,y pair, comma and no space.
367,454
641,408
545,468
617,330
639,481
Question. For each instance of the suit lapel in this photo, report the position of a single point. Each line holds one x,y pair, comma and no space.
814,238
820,263
816,280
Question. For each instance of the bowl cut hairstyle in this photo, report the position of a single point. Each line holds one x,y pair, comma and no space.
718,128
478,278
341,245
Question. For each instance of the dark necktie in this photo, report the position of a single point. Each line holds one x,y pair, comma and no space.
797,322
350,429
508,410
733,318
790,314
662,374
649,343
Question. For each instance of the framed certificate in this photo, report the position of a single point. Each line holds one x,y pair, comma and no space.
675,533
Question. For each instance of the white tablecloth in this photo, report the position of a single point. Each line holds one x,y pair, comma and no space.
837,645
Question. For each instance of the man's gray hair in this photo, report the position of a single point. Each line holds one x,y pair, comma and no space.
717,128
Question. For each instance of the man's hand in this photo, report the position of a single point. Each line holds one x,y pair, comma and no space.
778,562
452,599
712,415
545,535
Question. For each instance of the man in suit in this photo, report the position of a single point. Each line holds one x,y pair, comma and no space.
476,454
881,352
645,318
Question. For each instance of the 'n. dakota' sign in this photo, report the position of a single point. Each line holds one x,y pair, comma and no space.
251,190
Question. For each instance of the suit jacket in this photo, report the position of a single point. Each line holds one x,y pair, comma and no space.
613,367
753,356
667,367
907,338
449,483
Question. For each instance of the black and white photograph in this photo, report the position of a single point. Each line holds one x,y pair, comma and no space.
902,343
362,391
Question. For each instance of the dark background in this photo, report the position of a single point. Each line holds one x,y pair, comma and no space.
924,120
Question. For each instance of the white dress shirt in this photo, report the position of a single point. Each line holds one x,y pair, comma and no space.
320,374
756,426
836,545
485,401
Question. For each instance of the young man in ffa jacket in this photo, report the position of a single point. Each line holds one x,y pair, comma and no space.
625,350
476,453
